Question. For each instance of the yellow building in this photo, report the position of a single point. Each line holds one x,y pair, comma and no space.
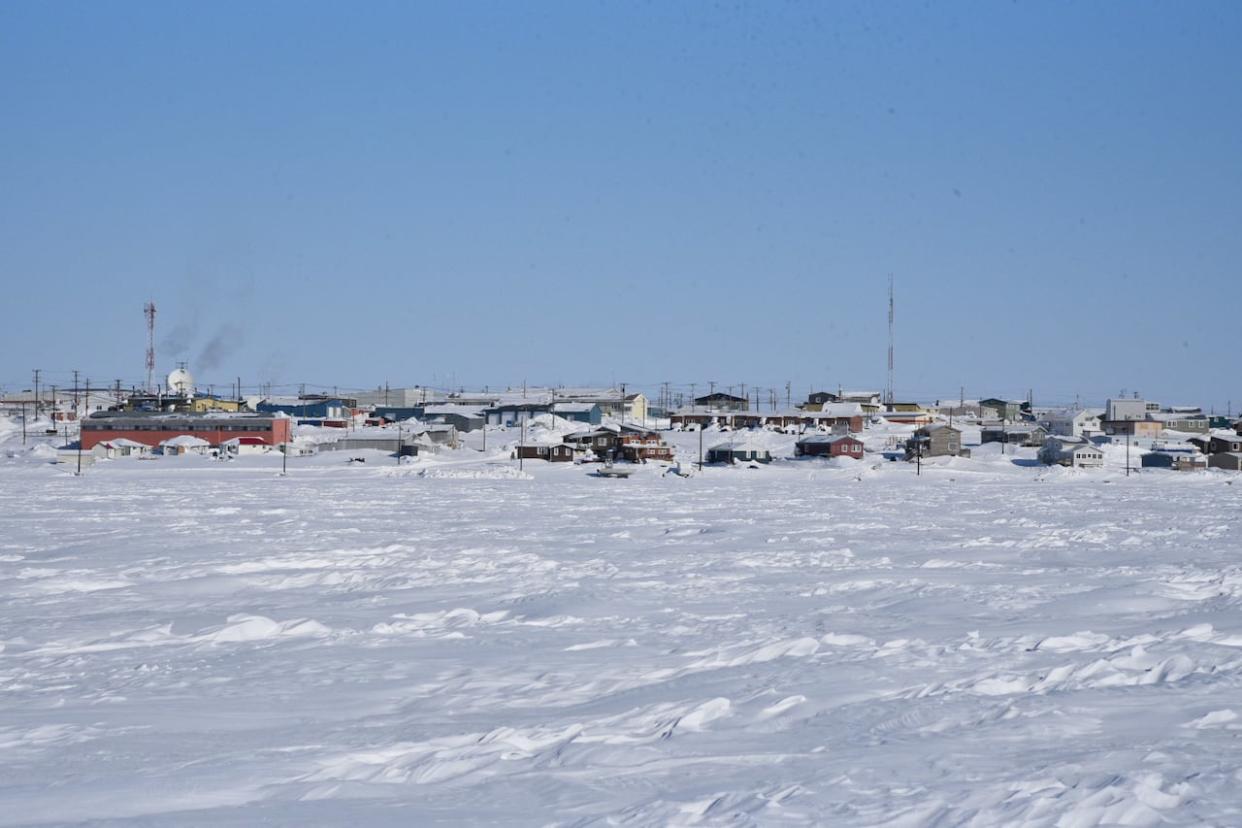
201,405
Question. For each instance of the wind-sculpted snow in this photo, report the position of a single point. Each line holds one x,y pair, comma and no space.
805,644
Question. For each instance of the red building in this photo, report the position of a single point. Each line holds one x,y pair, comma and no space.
153,429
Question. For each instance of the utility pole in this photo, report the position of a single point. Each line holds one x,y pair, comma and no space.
744,396
522,443
75,392
1127,454
693,403
788,394
37,372
700,447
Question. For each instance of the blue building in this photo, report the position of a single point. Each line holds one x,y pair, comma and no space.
296,407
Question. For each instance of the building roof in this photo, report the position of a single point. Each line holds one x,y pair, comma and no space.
186,441
744,445
828,439
574,407
940,427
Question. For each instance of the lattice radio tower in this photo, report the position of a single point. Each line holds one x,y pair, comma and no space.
149,311
888,390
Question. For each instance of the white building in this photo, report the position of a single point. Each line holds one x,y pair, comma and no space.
1071,451
1073,422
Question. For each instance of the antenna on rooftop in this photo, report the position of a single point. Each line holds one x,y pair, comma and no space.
149,311
888,391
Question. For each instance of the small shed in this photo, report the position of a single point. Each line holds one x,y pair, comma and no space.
1227,460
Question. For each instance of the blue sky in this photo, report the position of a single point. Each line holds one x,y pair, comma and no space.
577,192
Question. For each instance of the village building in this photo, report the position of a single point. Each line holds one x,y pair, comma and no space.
1071,451
1138,429
1220,444
1128,409
907,413
463,418
184,444
937,440
153,429
1175,458
120,447
1184,418
603,442
579,412
325,408
552,453
720,401
686,418
741,452
816,399
1022,434
514,414
1227,460
829,445
244,445
638,445
1072,422
994,408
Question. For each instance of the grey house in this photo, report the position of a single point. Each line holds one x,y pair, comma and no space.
1228,460
1000,409
738,453
1071,451
1224,444
937,440
1021,434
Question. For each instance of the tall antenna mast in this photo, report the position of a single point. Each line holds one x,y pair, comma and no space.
149,311
888,391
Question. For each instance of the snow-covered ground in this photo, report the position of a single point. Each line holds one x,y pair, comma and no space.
453,641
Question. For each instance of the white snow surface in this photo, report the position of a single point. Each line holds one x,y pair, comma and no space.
452,641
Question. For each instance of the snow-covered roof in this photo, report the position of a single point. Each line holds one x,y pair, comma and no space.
186,441
125,442
827,439
463,410
744,445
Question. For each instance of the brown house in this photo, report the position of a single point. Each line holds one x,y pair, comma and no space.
829,445
552,453
1219,445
